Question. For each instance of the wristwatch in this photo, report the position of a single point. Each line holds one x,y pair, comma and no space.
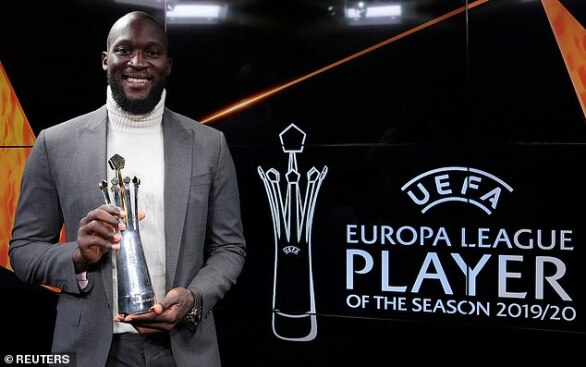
193,317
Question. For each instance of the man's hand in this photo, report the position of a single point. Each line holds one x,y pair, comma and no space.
98,233
164,315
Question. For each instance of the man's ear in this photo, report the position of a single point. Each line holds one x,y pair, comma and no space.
104,60
170,62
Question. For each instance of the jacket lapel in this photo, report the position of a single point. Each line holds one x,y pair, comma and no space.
178,162
91,158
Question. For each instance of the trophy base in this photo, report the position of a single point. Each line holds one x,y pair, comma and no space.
294,327
135,304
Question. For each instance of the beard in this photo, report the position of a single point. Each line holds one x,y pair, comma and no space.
137,106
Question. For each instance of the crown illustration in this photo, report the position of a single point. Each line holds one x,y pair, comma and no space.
292,208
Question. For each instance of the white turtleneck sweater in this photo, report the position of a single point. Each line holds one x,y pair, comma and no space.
139,139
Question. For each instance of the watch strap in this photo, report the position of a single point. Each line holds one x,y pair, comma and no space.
194,316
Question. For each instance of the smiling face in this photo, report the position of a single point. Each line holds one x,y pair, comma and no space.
136,62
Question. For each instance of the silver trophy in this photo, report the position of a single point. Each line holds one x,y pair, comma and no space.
135,290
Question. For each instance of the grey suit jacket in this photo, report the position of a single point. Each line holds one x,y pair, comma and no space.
205,247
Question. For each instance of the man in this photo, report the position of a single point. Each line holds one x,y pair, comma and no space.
192,233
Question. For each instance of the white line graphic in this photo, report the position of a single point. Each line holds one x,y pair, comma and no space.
456,184
294,312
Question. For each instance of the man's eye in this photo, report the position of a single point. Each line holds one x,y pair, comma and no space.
123,51
153,53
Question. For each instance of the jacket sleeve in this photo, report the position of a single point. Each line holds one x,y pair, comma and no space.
225,243
35,254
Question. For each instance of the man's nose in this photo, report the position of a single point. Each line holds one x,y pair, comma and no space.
137,60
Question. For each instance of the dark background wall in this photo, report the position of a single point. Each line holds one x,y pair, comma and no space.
486,89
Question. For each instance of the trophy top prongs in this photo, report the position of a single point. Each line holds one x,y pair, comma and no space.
116,162
103,184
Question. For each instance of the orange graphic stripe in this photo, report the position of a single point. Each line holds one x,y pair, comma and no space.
16,138
15,135
571,39
14,127
249,101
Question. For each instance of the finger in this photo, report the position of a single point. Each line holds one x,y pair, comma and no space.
141,214
99,229
87,242
148,330
149,316
171,299
108,215
158,308
153,325
111,209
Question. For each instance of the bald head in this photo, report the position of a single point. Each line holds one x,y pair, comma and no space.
128,19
